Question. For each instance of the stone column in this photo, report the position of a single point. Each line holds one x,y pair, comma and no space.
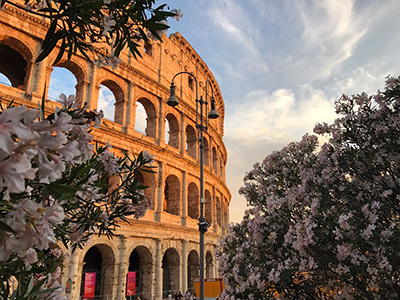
158,274
74,274
81,88
213,212
130,110
92,92
184,202
184,267
160,193
160,132
183,135
122,267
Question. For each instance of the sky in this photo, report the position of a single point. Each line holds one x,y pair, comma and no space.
280,66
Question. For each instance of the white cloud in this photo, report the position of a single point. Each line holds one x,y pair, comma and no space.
235,23
278,116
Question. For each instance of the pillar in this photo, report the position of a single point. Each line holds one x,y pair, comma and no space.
160,132
130,110
74,274
184,255
92,92
158,278
160,192
122,267
183,135
184,202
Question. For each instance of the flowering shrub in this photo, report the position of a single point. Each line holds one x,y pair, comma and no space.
324,223
98,29
55,188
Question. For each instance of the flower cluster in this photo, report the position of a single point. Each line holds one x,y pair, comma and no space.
323,222
56,187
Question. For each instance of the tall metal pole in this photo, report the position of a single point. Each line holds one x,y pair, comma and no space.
203,225
202,221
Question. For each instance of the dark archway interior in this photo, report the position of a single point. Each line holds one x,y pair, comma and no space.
12,65
92,264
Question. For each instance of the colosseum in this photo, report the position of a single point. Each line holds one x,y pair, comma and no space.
163,246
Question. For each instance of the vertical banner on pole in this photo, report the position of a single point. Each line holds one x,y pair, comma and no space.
90,282
131,284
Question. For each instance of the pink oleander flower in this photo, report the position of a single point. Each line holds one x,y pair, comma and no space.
108,23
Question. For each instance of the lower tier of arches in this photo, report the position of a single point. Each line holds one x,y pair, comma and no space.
129,267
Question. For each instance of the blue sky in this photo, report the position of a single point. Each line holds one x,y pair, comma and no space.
282,64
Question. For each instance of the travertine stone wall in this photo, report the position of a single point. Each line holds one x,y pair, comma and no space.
162,247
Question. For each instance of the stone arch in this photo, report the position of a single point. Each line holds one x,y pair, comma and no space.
172,125
218,210
191,140
206,151
15,61
119,96
100,260
148,179
151,117
193,269
171,274
141,262
209,206
215,160
193,201
209,265
80,75
172,195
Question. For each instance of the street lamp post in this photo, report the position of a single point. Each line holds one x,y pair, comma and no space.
201,125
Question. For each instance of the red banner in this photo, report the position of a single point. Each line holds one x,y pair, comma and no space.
90,282
131,284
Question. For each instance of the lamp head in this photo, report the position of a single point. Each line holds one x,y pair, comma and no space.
213,114
172,100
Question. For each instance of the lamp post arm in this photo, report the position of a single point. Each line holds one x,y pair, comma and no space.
208,83
197,85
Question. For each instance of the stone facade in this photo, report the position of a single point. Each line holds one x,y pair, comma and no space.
162,247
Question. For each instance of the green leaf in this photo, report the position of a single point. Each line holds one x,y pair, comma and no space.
49,46
41,106
60,52
5,227
61,188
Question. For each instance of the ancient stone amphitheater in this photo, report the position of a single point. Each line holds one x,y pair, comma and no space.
163,246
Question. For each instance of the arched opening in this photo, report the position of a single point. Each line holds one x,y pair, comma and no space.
150,118
172,131
106,102
193,201
14,62
209,265
215,160
98,271
208,209
206,152
148,179
141,269
172,198
218,211
68,83
62,81
170,266
193,269
111,101
191,140
140,120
